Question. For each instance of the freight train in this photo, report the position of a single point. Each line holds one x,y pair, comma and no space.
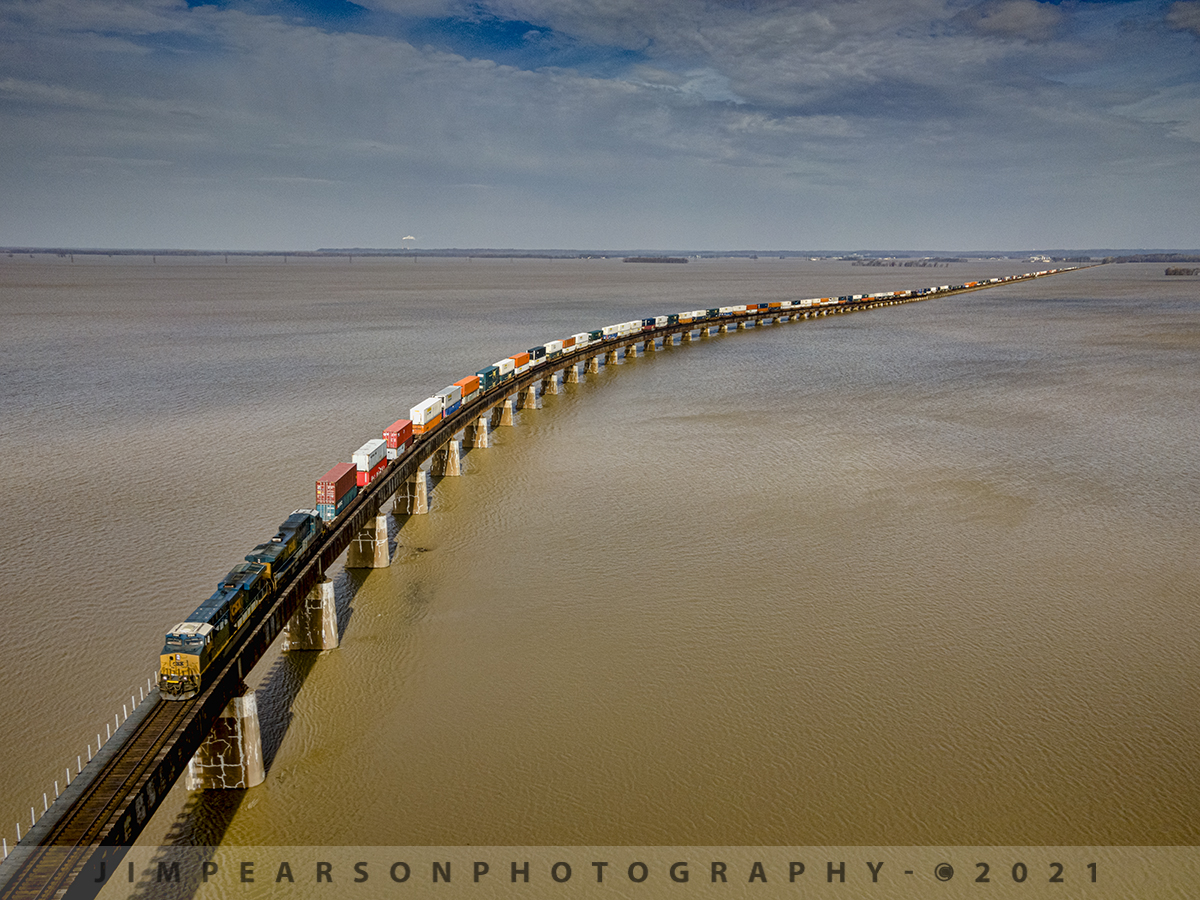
194,643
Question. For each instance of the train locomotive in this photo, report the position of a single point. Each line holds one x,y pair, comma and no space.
192,645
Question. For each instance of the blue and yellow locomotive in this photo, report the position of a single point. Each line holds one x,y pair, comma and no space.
193,644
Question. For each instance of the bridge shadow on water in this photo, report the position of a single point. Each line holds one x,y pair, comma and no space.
176,870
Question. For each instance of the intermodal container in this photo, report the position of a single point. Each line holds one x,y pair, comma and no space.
594,336
568,344
488,377
554,349
537,354
426,415
506,367
648,324
451,398
333,485
365,478
520,362
330,511
662,321
469,387
398,437
610,331
369,460
370,454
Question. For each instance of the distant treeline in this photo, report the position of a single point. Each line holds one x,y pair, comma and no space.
1183,271
1154,257
910,264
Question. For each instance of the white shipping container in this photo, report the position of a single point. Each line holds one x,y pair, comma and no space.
504,365
450,395
554,347
611,330
426,411
370,454
581,340
660,321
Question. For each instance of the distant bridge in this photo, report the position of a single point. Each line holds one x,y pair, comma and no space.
81,839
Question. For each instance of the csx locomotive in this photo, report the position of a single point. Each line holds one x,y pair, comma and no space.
193,644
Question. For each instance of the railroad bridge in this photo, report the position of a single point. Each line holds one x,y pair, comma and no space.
81,839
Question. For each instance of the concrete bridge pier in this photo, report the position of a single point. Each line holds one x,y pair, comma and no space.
314,626
552,383
508,415
723,328
369,549
593,365
231,757
574,376
612,358
687,337
741,326
449,459
531,397
416,495
480,434
651,345
668,341
631,351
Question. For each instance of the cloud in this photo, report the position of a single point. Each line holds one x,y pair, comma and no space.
1184,15
701,114
1013,19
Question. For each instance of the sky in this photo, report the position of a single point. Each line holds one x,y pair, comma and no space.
689,124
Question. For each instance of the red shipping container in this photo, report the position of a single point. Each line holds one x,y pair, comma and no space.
365,478
332,486
398,433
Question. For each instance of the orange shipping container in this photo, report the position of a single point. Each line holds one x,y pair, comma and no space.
519,359
568,343
468,385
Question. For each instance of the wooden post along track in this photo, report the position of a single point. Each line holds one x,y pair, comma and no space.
91,826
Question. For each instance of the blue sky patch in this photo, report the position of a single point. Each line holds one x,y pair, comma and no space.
517,43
